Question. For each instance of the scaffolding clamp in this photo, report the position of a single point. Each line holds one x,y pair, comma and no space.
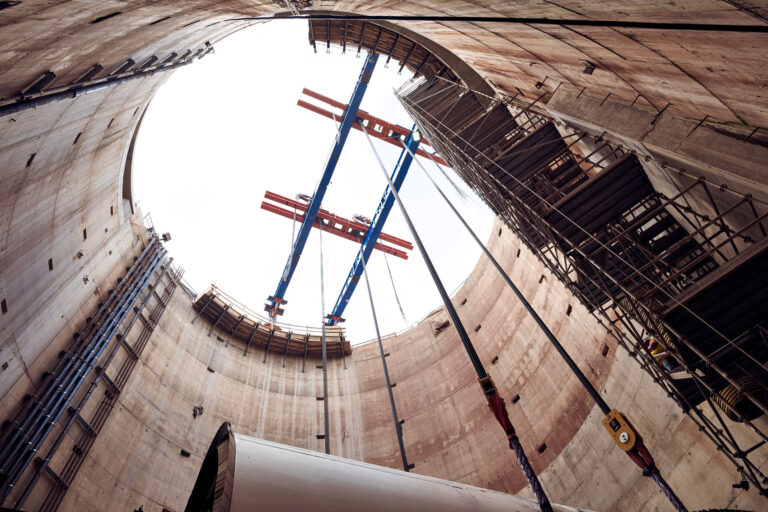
622,432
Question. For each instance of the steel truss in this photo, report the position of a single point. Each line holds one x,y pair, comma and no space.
684,266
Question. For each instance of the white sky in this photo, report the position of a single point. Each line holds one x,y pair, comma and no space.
225,129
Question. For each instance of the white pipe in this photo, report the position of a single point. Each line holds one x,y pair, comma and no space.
273,477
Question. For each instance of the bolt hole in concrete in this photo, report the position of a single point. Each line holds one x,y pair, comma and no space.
249,137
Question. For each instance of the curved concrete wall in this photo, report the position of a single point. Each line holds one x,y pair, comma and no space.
66,234
448,430
74,182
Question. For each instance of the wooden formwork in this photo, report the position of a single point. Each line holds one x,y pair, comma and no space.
233,323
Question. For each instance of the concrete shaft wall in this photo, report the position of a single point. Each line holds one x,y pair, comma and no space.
61,199
448,430
66,233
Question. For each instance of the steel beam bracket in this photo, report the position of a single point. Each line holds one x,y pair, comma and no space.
273,310
333,319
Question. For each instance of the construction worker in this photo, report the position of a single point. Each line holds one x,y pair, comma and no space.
662,355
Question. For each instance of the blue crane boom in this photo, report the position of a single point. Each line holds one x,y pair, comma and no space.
350,116
377,224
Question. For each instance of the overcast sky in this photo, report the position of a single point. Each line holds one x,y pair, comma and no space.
225,129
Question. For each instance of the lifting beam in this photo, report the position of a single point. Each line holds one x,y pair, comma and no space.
377,224
350,115
330,223
377,127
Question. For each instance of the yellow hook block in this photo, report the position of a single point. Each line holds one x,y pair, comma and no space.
622,432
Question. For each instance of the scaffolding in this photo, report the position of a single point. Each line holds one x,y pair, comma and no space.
235,321
676,260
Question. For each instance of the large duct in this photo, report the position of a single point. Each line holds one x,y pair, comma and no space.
242,473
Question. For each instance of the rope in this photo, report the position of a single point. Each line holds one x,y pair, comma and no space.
541,497
500,412
392,280
325,350
398,428
494,400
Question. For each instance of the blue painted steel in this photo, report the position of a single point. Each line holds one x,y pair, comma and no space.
350,115
377,225
84,363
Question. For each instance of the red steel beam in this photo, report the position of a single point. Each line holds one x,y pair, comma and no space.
333,228
382,135
362,114
330,217
376,127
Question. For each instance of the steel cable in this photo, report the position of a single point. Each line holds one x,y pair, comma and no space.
514,442
398,428
668,492
392,280
530,475
325,349
494,400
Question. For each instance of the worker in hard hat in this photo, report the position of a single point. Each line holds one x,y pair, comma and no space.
662,355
